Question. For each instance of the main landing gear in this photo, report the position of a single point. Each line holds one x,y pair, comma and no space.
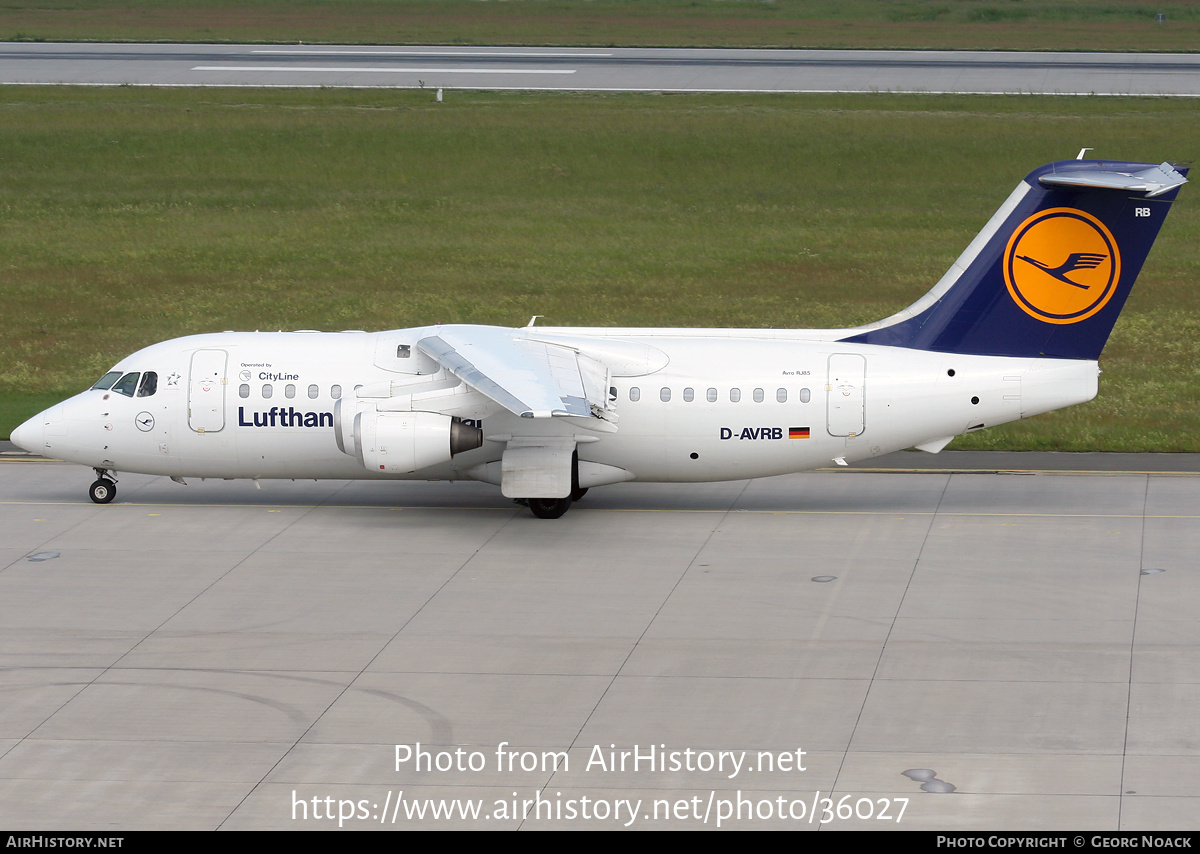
104,489
549,508
552,508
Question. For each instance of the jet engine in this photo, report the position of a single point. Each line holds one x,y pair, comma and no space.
404,442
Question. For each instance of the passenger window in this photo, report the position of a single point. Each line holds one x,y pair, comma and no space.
711,394
268,390
758,395
289,391
781,395
335,392
735,394
313,391
149,384
635,394
665,395
107,380
688,395
805,395
127,384
244,390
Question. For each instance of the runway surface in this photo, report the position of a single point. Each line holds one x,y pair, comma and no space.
603,69
1024,646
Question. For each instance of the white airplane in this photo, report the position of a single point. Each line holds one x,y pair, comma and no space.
1013,329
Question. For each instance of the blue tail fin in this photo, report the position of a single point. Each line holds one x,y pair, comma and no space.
1050,272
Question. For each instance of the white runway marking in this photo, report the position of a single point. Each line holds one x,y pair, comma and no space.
257,68
555,54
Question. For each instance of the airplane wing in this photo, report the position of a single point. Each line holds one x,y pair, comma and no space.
533,379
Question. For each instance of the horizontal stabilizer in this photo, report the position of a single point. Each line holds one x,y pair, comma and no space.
1153,181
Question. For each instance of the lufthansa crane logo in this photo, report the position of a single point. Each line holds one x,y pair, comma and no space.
1062,265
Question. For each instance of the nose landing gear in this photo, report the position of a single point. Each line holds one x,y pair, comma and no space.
104,489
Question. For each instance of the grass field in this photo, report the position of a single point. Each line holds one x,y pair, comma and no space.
936,24
128,216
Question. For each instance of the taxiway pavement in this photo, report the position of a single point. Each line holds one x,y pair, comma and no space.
215,656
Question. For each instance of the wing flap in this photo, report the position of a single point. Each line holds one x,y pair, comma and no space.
532,379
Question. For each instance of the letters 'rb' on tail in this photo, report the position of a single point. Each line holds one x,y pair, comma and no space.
1050,272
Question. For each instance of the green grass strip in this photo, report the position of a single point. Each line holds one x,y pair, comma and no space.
932,24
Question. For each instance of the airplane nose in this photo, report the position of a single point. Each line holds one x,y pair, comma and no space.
30,436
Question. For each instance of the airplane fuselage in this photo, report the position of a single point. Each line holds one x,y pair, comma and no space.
707,406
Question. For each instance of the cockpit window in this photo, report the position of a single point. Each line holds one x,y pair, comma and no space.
149,384
107,380
127,384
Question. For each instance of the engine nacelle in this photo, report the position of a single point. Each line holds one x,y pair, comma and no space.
404,442
345,411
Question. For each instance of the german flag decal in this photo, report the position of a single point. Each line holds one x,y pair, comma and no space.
797,432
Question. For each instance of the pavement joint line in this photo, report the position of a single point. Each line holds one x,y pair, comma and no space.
748,511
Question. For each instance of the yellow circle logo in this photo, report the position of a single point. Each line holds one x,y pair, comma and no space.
1062,265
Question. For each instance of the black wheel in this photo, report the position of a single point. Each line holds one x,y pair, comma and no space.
103,491
549,508
578,493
